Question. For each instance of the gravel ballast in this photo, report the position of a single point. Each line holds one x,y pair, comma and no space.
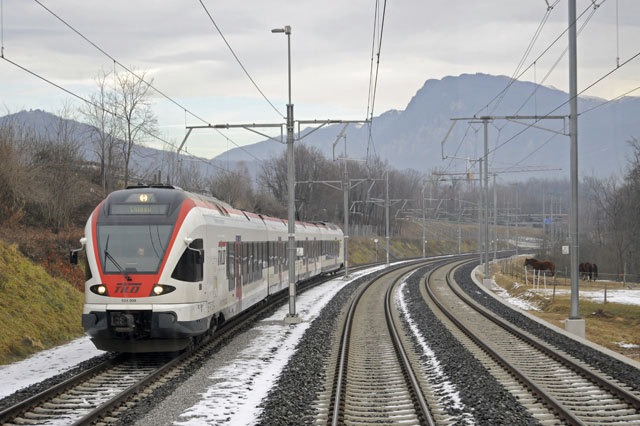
32,390
290,401
486,400
618,370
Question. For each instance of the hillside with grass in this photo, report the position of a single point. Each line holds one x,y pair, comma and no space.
37,311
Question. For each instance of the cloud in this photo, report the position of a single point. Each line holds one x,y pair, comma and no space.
331,49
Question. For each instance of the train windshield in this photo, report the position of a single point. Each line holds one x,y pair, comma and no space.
132,249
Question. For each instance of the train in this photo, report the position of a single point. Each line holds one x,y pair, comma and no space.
165,267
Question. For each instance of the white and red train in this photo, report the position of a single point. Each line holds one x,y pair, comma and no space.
165,265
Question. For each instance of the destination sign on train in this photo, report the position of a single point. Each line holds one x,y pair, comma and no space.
139,208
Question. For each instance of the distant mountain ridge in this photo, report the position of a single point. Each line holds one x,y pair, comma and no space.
146,161
411,138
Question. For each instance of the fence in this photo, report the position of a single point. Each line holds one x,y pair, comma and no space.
515,267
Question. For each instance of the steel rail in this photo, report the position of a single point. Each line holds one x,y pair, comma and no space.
554,404
21,407
339,381
227,329
422,407
11,412
620,392
344,349
24,406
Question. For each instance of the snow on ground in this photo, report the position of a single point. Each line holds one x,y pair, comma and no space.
627,345
523,304
238,387
45,364
445,390
626,297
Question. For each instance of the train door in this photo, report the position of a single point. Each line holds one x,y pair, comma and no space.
315,254
306,255
279,260
238,268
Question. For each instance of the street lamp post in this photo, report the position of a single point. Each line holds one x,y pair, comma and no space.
292,316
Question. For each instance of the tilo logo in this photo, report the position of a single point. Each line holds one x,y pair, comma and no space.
127,288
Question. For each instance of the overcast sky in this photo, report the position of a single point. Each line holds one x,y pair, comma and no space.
331,53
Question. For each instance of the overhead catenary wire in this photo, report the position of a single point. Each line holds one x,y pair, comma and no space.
536,150
375,84
115,61
609,101
567,101
529,48
617,37
238,60
555,64
535,60
160,92
373,48
89,102
1,28
370,89
375,79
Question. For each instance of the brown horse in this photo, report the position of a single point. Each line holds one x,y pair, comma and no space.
588,271
545,265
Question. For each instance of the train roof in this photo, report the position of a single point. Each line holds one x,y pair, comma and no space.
174,194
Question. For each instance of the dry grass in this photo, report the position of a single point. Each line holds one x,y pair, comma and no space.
363,250
37,311
606,324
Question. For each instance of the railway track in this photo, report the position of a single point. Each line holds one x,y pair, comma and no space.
107,389
374,379
555,387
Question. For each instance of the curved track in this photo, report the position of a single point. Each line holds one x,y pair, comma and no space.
375,381
574,392
108,388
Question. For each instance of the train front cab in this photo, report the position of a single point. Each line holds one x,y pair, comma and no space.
146,292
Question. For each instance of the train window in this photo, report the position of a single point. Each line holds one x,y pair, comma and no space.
221,256
231,265
285,253
188,267
254,254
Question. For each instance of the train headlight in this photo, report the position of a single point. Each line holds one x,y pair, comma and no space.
99,289
161,289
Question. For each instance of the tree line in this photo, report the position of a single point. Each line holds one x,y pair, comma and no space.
45,179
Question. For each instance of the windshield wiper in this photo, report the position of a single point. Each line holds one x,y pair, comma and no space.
122,271
108,256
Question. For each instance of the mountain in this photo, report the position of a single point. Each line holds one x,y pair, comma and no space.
145,161
412,138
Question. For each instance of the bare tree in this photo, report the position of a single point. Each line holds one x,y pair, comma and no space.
56,160
133,108
234,187
15,172
105,128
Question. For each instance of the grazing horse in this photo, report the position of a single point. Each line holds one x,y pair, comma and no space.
545,265
588,271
